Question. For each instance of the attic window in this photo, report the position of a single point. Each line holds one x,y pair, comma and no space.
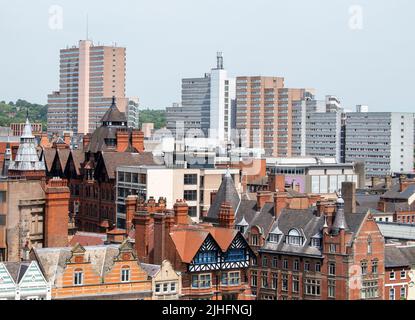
274,237
316,242
294,238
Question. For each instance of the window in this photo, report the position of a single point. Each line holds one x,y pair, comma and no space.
235,255
78,277
234,278
312,287
284,282
165,287
254,240
296,265
403,274
375,266
332,248
369,245
306,266
332,269
201,281
274,238
403,293
265,261
254,276
318,267
363,266
316,242
391,294
190,195
274,262
190,179
192,211
264,279
285,264
296,284
392,275
206,257
369,289
173,287
294,238
125,274
331,288
274,283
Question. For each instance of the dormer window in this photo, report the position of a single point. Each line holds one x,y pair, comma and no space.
316,242
274,237
294,237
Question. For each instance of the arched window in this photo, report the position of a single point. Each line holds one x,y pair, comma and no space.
294,237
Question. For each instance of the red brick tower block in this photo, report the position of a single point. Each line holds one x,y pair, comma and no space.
56,213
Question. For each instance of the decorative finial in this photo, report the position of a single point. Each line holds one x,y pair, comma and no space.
113,100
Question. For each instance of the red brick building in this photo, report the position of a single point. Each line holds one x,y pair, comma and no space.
308,248
213,260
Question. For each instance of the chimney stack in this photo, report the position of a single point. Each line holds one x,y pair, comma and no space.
280,202
159,238
122,140
349,196
226,216
131,207
142,222
262,198
57,196
276,182
181,212
138,140
86,140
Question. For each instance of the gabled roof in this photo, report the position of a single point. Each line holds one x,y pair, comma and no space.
227,193
151,269
17,269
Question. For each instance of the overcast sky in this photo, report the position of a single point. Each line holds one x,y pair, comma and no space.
361,50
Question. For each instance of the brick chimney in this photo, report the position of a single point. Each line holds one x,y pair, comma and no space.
349,196
131,207
137,140
57,196
263,197
44,140
276,182
159,237
405,183
86,140
388,182
280,202
226,216
181,212
142,223
122,140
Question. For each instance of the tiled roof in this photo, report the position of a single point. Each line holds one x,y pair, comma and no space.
226,193
114,115
88,239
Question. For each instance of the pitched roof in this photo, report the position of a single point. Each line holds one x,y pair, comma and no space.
397,230
88,239
78,157
399,256
151,269
113,114
227,193
188,242
63,157
49,156
114,159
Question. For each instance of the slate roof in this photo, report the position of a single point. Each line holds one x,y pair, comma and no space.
397,230
113,114
48,156
227,193
78,157
17,269
394,192
53,260
114,159
151,269
399,256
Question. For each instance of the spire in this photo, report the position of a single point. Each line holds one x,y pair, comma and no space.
27,131
340,219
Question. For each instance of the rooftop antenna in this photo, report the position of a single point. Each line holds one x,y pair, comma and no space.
219,58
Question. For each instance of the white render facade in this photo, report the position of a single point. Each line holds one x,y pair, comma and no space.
383,140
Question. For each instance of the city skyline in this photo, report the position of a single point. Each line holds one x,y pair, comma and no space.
162,49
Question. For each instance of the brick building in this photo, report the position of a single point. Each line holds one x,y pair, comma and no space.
306,247
213,260
94,272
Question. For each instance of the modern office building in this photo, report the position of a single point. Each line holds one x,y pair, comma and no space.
264,113
90,75
315,175
193,185
133,113
207,105
383,140
317,127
